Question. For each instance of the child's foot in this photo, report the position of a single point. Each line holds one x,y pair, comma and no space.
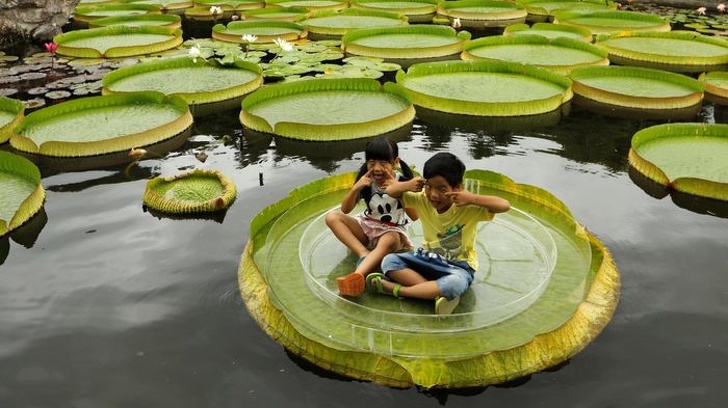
444,306
351,284
378,283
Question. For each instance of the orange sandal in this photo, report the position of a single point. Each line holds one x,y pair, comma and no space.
351,284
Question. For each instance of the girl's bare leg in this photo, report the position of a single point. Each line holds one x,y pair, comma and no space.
348,231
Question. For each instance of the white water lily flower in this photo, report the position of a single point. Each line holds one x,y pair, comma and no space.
283,44
215,10
721,7
456,23
195,52
701,10
250,38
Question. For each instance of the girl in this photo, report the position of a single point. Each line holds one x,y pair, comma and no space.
380,229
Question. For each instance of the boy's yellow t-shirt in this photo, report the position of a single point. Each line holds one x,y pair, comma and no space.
452,233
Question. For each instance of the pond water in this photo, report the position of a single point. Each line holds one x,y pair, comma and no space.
106,305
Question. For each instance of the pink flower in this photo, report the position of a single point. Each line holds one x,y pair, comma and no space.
51,47
701,11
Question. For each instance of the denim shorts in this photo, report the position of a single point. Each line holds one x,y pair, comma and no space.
452,277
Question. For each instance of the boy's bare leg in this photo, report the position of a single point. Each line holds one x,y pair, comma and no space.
413,284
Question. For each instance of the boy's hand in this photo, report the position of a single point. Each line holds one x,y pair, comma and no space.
461,197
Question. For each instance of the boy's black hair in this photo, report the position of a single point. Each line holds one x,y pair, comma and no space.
381,148
447,165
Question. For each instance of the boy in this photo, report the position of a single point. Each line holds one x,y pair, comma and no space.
443,269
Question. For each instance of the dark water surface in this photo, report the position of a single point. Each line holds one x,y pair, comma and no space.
111,306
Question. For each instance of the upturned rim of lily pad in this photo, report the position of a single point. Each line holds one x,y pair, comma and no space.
394,109
86,14
468,73
311,5
43,124
222,94
645,141
482,363
15,111
291,14
16,166
197,196
542,10
645,50
160,39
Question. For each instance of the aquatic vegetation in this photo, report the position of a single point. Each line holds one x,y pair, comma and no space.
23,194
194,191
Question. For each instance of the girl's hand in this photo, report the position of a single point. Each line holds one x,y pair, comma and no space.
364,181
389,178
416,184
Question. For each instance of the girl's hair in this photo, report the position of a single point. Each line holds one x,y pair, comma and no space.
381,148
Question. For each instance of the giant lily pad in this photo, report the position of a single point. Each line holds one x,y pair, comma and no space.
677,51
328,109
686,157
334,24
117,41
716,86
22,193
207,86
193,191
485,88
164,20
12,112
276,13
542,10
401,343
608,22
311,5
265,31
559,55
417,11
407,44
102,124
550,30
482,13
635,92
83,15
171,7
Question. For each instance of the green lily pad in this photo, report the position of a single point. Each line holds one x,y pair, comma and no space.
677,51
608,22
276,13
417,11
12,112
334,24
99,125
194,191
550,30
482,13
687,157
265,31
716,86
207,86
85,14
407,44
328,109
485,88
117,41
311,5
159,20
23,194
635,92
559,55
542,10
495,335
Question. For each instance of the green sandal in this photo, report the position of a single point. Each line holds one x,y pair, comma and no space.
374,283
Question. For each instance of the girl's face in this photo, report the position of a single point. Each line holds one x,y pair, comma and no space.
379,170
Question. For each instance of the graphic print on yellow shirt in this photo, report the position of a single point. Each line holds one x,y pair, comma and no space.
450,234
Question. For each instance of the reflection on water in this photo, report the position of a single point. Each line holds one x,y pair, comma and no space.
108,306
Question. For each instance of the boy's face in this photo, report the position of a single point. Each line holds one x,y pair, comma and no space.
436,189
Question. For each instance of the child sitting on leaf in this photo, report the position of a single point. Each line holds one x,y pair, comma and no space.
380,229
443,268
